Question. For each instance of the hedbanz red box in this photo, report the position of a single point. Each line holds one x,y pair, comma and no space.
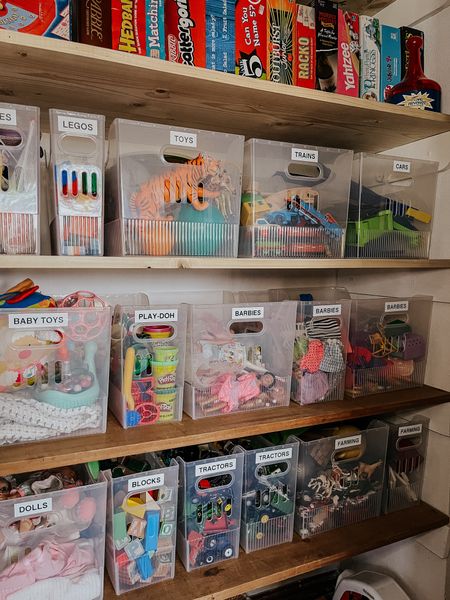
305,47
348,53
128,26
186,31
251,38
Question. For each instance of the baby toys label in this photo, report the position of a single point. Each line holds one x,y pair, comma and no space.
401,166
247,312
8,116
305,155
152,316
409,430
76,125
31,321
221,466
391,307
347,442
147,482
327,309
181,138
34,507
265,457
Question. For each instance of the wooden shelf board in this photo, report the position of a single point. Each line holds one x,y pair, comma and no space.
266,567
120,442
197,262
53,73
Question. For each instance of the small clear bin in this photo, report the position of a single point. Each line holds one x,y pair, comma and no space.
172,191
77,164
19,179
391,207
294,201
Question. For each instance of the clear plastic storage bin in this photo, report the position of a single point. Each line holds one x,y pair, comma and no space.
141,526
172,191
53,535
406,454
19,179
77,157
389,340
391,207
239,357
268,493
295,200
340,476
54,367
147,363
209,510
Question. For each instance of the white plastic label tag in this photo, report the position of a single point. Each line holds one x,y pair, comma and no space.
8,116
409,430
391,307
221,466
247,312
327,310
146,482
77,125
272,455
303,155
151,316
38,320
347,442
182,138
33,507
401,166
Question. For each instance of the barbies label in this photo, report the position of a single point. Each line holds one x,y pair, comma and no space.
391,307
8,116
348,442
401,167
44,321
180,138
245,313
304,155
216,467
68,124
34,507
327,309
152,316
265,457
148,482
409,430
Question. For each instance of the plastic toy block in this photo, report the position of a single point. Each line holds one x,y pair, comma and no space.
145,567
151,531
121,538
419,215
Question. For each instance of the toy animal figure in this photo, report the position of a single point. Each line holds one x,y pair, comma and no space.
366,471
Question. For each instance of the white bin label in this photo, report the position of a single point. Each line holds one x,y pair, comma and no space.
152,316
347,442
183,138
8,116
401,166
39,320
33,507
68,124
304,155
271,455
409,430
391,307
212,468
327,310
247,312
146,482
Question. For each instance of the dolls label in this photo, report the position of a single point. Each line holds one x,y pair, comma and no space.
151,316
391,307
409,430
147,482
247,312
181,138
327,309
401,166
8,116
304,155
33,507
347,442
271,455
221,466
68,124
41,320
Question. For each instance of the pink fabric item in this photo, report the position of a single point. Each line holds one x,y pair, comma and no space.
312,359
248,387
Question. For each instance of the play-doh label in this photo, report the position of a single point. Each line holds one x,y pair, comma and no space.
41,320
33,507
181,138
221,466
273,455
67,124
401,166
410,430
327,309
156,316
248,312
391,307
147,482
8,116
347,442
304,155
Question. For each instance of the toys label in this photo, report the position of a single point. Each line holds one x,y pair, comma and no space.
391,307
348,442
8,116
401,166
280,42
31,321
186,31
68,124
327,309
221,466
147,482
181,138
409,430
251,36
305,47
247,312
272,455
348,54
33,507
151,316
304,155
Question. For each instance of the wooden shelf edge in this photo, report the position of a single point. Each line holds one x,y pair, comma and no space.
266,567
120,442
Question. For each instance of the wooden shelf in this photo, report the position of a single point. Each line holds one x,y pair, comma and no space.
120,442
266,567
196,262
53,73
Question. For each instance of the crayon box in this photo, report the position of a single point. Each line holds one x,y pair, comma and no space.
280,40
49,18
305,47
369,85
251,38
348,53
405,33
390,59
326,45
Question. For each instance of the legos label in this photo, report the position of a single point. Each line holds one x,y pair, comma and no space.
31,321
272,455
34,507
152,316
391,307
247,312
77,125
409,430
327,309
181,138
215,467
8,116
147,482
401,166
251,36
303,155
348,442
